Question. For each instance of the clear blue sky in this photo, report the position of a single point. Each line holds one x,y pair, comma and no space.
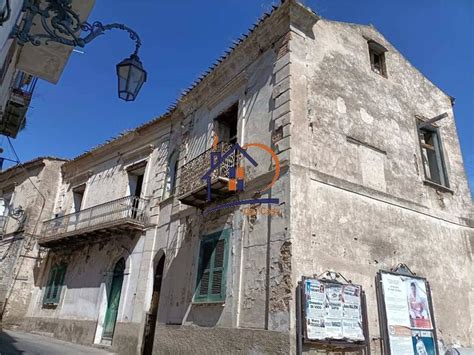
182,38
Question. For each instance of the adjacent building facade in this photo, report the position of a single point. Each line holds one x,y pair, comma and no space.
308,148
27,194
22,64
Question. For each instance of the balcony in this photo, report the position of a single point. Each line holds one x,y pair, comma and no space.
125,215
13,118
192,189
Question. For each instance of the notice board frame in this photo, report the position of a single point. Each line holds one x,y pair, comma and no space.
401,270
330,344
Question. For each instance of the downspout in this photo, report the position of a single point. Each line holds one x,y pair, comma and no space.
244,224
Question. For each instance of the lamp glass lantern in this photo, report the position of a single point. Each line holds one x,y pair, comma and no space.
131,77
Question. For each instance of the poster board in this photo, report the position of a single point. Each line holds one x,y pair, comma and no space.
333,312
406,314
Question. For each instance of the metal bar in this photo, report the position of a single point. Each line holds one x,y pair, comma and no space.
432,120
299,314
126,207
383,325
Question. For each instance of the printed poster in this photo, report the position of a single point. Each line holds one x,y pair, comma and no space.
333,311
423,343
409,323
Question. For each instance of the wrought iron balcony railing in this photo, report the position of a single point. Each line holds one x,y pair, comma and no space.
13,118
23,86
122,214
192,188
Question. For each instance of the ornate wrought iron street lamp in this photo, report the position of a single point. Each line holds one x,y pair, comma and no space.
61,24
131,77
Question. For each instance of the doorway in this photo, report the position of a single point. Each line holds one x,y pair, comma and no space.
225,125
135,181
150,323
113,302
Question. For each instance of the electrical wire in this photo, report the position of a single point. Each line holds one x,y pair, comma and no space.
28,244
30,180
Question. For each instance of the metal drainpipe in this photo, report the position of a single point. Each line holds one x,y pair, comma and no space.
244,224
299,323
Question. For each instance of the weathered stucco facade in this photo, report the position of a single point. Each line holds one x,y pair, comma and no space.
353,198
23,209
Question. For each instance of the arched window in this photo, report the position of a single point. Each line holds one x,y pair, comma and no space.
119,267
171,174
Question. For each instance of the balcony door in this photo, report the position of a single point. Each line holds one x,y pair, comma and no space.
113,301
135,186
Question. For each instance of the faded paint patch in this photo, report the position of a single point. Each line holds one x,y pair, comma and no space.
341,105
281,294
365,116
372,168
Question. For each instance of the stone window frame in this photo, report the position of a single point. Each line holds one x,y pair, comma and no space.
377,50
171,175
437,149
212,241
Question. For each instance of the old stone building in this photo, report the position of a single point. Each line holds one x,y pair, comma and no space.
27,195
324,130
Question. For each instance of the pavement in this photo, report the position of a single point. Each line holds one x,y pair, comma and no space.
17,342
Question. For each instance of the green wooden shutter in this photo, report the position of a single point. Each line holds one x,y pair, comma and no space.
212,268
53,289
47,292
218,268
205,266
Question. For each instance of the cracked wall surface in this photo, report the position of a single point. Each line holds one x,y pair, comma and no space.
359,199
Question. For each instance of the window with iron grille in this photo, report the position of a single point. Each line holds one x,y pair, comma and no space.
212,267
432,155
53,290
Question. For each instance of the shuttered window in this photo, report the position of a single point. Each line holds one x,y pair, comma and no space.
55,284
211,281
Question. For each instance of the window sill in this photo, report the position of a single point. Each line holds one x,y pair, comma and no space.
437,186
50,305
208,303
166,200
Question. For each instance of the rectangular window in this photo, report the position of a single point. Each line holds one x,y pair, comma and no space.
377,58
212,267
225,125
432,155
78,197
55,285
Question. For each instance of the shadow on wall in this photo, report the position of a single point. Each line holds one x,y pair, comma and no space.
87,264
7,344
179,282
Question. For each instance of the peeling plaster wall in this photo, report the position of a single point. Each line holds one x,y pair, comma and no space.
257,77
358,201
351,192
80,314
18,249
87,281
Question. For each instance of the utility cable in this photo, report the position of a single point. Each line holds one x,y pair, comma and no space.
27,246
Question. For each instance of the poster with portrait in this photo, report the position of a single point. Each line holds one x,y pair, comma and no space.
333,311
423,342
407,312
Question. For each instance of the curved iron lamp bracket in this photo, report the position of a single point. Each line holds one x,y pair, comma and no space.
62,25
